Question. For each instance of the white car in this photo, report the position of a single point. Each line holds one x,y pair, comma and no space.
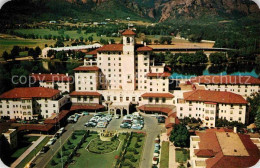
101,124
156,155
51,141
117,116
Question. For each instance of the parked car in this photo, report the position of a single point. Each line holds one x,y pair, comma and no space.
45,149
76,118
90,124
125,125
51,141
137,127
101,124
85,113
117,116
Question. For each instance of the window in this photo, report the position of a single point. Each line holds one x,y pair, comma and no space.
181,108
91,98
163,100
150,100
157,100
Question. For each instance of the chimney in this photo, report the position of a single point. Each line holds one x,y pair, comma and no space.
67,74
235,129
144,43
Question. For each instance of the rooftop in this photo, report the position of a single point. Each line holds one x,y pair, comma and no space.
87,68
51,77
158,75
111,47
225,80
214,96
227,149
231,144
128,32
29,93
144,48
159,95
77,93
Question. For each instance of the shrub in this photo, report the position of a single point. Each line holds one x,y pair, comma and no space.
133,159
58,155
53,163
129,156
131,149
71,146
137,145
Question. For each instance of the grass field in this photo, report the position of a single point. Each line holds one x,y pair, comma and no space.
32,154
182,155
24,145
88,159
164,163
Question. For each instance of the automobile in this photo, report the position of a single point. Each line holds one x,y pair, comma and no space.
125,125
45,149
85,113
137,127
61,130
157,148
117,116
157,145
101,124
90,124
127,121
156,155
156,151
161,119
76,118
51,141
71,118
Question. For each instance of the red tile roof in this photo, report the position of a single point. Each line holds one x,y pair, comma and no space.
88,106
171,121
163,109
214,96
93,52
58,118
128,32
158,75
77,93
204,153
111,47
144,48
87,68
210,142
226,80
166,95
30,92
51,77
36,127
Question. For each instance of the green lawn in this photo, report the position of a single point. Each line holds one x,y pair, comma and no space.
164,163
7,44
33,153
133,153
23,145
67,148
182,155
92,160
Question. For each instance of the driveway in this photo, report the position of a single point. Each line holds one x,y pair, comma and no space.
151,128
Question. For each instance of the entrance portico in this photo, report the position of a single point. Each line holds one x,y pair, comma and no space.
119,108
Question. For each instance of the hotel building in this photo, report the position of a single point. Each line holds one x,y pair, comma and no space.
121,76
216,148
61,82
242,85
211,105
29,103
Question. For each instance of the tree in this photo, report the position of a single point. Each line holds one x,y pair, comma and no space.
112,41
30,52
59,43
147,41
168,40
257,118
5,55
15,52
195,37
5,150
156,41
201,57
79,31
254,100
90,39
180,136
217,58
81,39
67,37
38,51
53,163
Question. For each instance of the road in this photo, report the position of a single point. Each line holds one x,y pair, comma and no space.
151,128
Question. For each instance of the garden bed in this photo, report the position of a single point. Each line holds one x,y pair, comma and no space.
182,155
101,147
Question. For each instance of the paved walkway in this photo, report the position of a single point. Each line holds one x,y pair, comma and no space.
172,162
29,150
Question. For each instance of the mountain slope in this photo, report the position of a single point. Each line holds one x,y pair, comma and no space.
94,10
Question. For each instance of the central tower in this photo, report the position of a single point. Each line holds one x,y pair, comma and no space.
128,60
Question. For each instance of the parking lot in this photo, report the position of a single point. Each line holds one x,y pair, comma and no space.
151,128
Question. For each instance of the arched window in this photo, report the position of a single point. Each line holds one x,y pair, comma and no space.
128,40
